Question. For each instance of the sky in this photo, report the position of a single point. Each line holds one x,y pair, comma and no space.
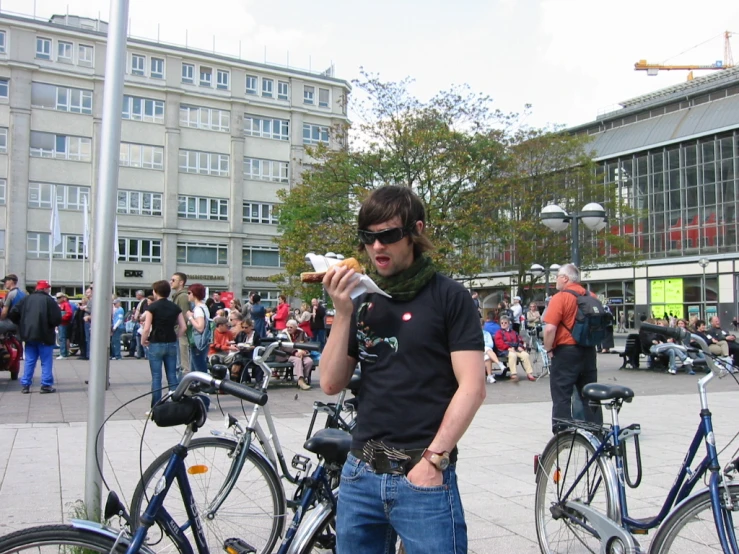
569,59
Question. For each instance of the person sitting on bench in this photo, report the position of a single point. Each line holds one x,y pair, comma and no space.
662,346
509,343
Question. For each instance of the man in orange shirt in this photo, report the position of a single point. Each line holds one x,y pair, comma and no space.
222,339
573,365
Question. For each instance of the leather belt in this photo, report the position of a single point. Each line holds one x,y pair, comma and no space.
386,459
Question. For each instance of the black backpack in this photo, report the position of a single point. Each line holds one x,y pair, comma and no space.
591,320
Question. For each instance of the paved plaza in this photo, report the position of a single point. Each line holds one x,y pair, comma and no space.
42,443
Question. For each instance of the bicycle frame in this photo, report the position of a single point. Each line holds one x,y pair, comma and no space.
684,482
156,513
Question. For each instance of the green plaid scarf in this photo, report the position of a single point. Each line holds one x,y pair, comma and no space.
404,286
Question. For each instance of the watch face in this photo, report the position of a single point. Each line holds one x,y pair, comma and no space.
443,463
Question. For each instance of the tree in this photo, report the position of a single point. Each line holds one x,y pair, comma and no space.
449,150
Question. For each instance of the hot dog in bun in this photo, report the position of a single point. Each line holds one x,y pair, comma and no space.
317,276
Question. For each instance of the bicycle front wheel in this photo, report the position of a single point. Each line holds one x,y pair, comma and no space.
691,528
58,538
559,528
253,511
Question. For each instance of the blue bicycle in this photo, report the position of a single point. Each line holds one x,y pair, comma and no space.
582,475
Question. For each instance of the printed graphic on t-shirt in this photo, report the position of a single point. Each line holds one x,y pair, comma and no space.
371,345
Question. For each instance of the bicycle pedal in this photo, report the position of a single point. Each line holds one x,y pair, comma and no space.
301,463
238,546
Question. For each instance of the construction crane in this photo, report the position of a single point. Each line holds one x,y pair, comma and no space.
652,68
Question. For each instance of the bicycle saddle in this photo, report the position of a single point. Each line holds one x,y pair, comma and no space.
602,391
331,444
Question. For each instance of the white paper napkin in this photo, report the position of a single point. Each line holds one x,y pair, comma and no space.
366,284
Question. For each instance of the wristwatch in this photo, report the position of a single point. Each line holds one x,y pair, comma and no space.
439,459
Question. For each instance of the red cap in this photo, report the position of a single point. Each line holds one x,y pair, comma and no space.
43,285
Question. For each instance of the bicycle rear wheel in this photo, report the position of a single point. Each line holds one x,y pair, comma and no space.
53,539
691,528
559,529
253,511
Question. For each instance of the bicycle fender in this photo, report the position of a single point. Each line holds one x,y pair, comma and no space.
108,532
610,476
310,525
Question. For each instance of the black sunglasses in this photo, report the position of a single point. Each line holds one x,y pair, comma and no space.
386,236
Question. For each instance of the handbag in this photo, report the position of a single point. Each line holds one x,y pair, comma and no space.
198,340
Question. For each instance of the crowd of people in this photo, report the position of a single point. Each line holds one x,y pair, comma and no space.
177,329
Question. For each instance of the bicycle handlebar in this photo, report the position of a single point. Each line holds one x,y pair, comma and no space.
225,386
677,333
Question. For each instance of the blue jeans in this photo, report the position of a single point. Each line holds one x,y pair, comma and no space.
375,508
671,352
115,343
199,362
162,353
138,349
62,337
321,338
34,351
87,340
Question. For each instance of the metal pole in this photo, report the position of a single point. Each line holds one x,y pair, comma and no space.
107,192
576,240
704,296
546,286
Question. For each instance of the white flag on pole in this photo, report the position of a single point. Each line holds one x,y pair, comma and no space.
115,242
54,227
86,228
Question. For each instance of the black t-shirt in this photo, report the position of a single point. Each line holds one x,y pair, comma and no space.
318,321
214,307
164,314
405,352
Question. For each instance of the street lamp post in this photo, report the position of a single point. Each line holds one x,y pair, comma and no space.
592,215
538,270
703,262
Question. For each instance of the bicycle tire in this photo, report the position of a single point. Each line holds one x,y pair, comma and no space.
253,511
563,459
690,527
43,537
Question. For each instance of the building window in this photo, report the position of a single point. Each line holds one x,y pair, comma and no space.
84,55
64,52
199,117
206,76
3,44
62,99
199,253
323,97
3,140
266,170
43,48
68,197
141,155
223,79
268,86
140,250
188,73
143,109
272,128
251,84
2,241
204,163
261,256
3,191
309,94
3,88
315,134
138,64
259,212
283,90
157,68
61,147
134,202
37,245
198,207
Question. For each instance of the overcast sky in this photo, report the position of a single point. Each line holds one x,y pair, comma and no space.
570,59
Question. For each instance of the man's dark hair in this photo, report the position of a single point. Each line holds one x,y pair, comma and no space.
181,276
256,298
162,288
491,315
387,202
699,323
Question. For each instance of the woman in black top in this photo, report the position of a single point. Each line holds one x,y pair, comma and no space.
160,338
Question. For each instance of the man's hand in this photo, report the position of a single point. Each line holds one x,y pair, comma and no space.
425,474
339,282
